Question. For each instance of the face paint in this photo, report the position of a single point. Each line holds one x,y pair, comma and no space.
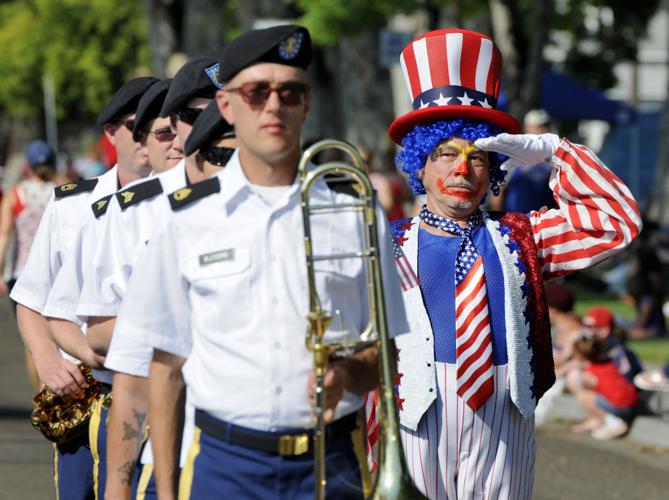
458,192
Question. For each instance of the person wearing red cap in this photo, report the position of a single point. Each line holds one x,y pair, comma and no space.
610,401
478,356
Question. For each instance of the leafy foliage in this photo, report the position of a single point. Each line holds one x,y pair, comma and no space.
89,47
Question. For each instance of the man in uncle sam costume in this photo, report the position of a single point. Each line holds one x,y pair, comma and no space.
478,356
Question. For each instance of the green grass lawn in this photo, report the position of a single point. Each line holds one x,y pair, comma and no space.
651,351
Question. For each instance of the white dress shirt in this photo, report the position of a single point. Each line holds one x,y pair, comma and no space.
122,236
62,220
59,228
223,282
123,233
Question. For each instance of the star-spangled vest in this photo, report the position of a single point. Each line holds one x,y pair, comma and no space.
531,370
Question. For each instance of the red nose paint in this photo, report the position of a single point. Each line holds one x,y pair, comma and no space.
462,169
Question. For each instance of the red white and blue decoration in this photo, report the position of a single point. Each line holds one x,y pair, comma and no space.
452,73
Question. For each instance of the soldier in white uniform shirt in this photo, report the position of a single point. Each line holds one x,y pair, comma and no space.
66,293
65,326
58,228
125,230
222,283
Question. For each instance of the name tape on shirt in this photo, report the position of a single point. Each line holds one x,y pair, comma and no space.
219,256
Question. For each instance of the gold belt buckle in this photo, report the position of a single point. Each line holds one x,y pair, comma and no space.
292,445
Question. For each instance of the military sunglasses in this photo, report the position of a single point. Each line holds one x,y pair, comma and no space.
257,93
186,115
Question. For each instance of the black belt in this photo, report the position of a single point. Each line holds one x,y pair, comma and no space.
281,444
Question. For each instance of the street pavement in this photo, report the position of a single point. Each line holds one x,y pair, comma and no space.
568,467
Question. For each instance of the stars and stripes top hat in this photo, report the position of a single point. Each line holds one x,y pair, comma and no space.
452,73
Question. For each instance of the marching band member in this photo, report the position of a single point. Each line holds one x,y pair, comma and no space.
59,228
127,227
478,356
221,292
85,255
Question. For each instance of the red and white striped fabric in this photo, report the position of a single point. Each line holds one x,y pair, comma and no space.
596,215
473,339
457,452
451,59
408,278
373,428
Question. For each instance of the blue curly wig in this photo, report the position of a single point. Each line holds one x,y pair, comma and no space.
423,139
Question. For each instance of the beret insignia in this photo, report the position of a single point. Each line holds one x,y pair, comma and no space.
212,73
289,48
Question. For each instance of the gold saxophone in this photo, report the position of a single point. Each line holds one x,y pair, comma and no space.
62,419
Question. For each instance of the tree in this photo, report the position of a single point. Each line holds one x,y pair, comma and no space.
88,47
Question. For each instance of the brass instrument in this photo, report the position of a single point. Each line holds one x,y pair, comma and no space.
393,480
61,419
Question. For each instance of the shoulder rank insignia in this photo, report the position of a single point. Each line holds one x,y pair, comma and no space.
75,187
100,207
197,191
139,192
343,185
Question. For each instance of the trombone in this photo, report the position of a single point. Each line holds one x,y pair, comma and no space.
393,480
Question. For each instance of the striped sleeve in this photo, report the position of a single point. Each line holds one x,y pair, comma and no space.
596,217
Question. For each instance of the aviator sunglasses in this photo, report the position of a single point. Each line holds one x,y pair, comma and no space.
186,115
257,93
165,134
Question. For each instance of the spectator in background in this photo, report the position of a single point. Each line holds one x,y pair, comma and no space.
380,182
527,188
566,325
599,322
20,214
609,399
646,288
22,208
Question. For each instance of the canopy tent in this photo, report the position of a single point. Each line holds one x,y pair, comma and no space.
564,97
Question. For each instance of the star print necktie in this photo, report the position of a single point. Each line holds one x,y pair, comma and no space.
473,339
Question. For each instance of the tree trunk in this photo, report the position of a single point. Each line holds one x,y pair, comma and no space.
531,86
205,25
249,11
353,97
163,33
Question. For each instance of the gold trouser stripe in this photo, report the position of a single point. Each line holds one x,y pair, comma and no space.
361,455
55,471
144,478
186,478
93,429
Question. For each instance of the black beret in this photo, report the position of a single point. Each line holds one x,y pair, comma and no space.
125,99
288,44
149,106
196,78
208,127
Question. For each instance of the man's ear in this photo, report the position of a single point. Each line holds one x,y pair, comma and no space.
421,173
224,106
110,132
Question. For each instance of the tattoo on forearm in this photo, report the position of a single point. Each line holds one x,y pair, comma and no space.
126,470
130,432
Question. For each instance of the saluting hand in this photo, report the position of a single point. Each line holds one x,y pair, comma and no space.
333,381
523,150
